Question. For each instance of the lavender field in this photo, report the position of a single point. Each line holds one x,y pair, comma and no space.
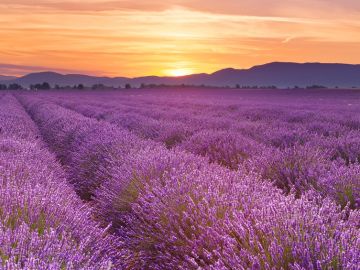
180,179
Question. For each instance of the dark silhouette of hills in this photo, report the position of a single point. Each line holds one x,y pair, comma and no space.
279,74
6,78
54,78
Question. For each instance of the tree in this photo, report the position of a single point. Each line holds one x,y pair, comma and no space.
80,86
3,87
97,86
40,86
127,86
315,86
45,86
14,86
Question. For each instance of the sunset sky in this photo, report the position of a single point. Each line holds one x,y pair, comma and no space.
173,37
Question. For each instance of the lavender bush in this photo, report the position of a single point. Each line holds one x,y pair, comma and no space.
43,223
226,148
285,203
333,136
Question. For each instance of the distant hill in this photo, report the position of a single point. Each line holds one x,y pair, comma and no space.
54,78
279,74
6,78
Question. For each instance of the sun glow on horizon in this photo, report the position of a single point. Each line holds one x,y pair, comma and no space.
172,37
179,72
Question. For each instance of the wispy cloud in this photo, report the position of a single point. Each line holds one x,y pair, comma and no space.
245,7
15,70
150,37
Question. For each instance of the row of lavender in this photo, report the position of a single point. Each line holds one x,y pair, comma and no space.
43,224
174,210
297,150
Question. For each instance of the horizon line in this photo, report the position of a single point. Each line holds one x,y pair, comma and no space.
64,73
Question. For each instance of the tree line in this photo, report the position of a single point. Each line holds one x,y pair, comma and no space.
47,86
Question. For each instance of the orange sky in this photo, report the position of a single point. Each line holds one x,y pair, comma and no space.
175,37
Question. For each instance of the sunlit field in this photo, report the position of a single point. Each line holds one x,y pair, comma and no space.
180,179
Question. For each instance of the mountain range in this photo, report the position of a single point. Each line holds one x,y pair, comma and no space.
6,78
280,74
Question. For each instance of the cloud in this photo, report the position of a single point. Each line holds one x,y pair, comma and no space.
134,38
288,39
294,8
16,70
94,5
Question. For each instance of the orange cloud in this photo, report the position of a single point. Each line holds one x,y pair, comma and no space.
131,38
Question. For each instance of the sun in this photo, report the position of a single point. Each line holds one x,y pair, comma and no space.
179,72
